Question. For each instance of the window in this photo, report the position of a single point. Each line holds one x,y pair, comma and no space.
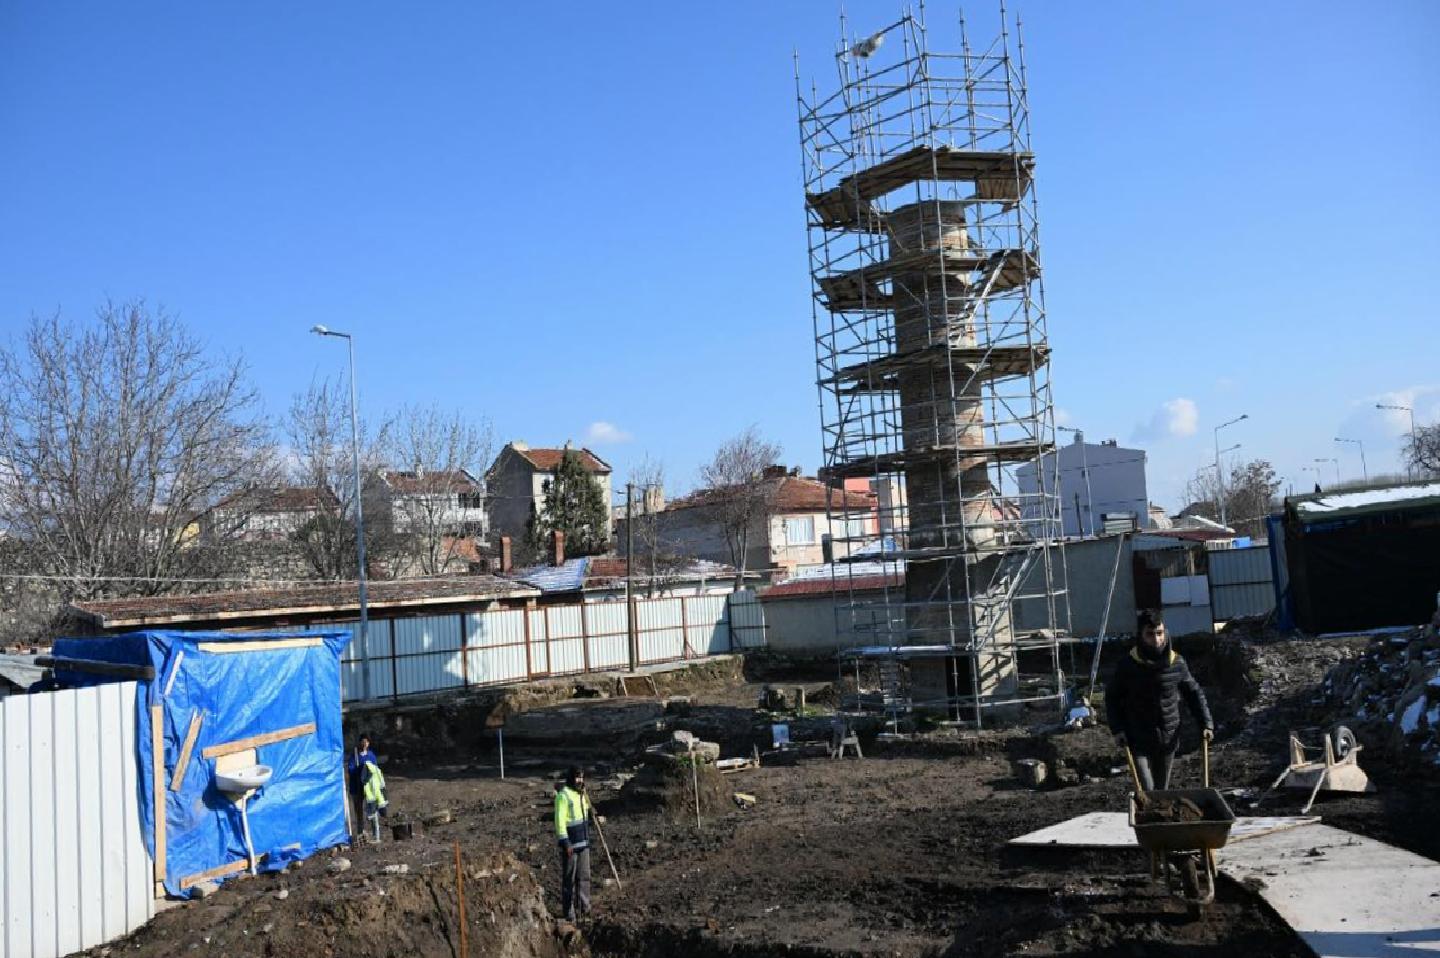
800,531
856,528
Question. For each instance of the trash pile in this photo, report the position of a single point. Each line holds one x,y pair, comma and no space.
1393,688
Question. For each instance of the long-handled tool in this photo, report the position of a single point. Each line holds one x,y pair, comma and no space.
1135,775
606,846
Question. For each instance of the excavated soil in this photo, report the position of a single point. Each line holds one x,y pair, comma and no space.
902,853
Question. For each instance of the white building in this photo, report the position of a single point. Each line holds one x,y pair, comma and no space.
1098,481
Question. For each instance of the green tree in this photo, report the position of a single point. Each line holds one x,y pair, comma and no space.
575,505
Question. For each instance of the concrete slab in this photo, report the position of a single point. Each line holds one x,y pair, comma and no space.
1112,830
1346,895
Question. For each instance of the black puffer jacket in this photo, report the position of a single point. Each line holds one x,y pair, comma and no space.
1142,700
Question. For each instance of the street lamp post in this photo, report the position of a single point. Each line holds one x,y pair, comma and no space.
1085,472
359,510
1400,408
1336,463
1364,470
1316,470
1219,473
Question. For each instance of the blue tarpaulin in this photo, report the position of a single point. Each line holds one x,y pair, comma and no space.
241,686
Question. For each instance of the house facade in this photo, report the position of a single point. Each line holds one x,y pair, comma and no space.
790,535
519,478
450,501
264,515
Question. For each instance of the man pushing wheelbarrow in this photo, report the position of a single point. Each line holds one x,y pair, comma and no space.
1181,828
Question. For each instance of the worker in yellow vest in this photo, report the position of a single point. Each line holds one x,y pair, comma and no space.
572,832
375,801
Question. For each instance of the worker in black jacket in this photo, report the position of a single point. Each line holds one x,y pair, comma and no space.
1142,701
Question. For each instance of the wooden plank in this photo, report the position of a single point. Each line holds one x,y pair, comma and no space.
221,648
255,741
184,761
118,669
219,871
157,786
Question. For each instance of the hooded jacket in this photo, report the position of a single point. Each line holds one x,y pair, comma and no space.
1142,700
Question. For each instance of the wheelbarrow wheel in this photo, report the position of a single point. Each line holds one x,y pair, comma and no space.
1190,883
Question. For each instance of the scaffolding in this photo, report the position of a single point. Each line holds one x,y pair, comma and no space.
933,368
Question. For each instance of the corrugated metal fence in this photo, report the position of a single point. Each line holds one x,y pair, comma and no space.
74,871
430,653
1241,583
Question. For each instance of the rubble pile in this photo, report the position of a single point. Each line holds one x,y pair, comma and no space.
1394,689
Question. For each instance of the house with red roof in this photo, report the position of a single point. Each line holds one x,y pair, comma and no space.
521,475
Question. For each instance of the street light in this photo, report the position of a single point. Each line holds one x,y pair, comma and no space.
319,330
1400,408
1337,468
1219,475
1084,471
1364,471
1316,470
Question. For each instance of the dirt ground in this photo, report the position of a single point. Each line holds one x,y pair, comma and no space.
900,854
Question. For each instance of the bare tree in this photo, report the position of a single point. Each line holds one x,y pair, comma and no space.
319,433
649,477
1422,450
734,485
1249,495
118,438
432,502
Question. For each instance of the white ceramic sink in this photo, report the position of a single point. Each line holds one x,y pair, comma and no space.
243,780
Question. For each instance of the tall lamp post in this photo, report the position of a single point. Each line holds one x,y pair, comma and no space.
1400,408
1364,470
359,510
1219,473
1085,528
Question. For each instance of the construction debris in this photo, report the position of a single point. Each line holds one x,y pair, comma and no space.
1392,692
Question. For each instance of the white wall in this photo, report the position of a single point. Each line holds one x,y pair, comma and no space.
1117,484
74,871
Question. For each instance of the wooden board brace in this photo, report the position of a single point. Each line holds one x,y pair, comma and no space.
255,741
229,868
157,787
183,762
272,646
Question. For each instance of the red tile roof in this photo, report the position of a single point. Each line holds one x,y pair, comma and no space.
327,597
548,459
285,499
793,494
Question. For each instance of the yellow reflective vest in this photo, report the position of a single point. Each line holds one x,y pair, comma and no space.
572,818
375,785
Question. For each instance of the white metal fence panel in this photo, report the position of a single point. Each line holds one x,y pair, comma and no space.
1241,583
707,624
606,618
566,656
564,621
539,647
74,871
431,672
492,666
747,622
382,679
426,633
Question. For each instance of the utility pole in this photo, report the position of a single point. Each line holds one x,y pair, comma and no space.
1219,473
359,510
632,636
1364,470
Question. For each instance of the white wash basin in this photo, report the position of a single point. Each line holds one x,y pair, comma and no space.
243,780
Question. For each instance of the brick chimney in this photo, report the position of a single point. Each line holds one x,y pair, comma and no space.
507,559
557,544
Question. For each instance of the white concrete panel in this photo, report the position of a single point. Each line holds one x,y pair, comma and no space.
1344,894
1112,830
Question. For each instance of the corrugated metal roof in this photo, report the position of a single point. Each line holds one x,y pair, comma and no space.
169,609
569,577
1385,499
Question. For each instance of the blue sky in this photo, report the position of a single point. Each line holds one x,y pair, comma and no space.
589,214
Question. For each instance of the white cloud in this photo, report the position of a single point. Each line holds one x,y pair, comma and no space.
606,433
1175,419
